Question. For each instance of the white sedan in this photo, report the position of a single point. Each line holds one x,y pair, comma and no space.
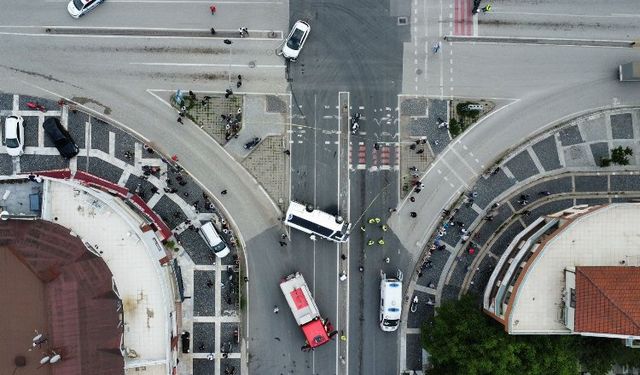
79,8
294,42
14,135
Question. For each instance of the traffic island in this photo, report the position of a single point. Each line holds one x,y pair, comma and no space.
218,115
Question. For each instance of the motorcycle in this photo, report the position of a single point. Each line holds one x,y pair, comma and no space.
354,123
414,304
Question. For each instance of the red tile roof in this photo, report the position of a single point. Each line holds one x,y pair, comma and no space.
82,309
608,300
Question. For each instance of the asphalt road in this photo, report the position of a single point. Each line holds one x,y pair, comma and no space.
341,56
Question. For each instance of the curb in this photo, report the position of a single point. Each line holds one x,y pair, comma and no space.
541,41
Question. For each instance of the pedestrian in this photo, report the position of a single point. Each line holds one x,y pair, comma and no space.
282,243
412,199
420,151
201,347
412,147
283,236
376,146
227,41
413,214
239,77
275,309
387,260
392,210
224,192
179,120
417,190
209,283
174,157
241,30
213,31
213,9
486,9
238,84
361,269
343,257
210,356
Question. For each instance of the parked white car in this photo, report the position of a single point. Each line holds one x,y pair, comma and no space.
295,41
14,135
79,8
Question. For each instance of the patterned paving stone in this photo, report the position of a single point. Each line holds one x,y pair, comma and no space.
230,364
269,165
505,238
230,292
144,191
227,337
100,135
203,333
6,166
522,166
622,126
203,366
423,312
124,143
414,107
450,292
488,189
570,135
76,125
594,130
275,104
548,208
104,169
6,101
169,211
600,151
547,152
195,246
554,186
414,352
438,261
203,295
591,183
31,130
31,163
578,156
625,183
592,201
489,227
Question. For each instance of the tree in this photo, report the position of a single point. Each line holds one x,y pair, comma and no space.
621,155
463,340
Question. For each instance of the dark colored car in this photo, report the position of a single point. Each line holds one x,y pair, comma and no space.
252,143
60,138
186,341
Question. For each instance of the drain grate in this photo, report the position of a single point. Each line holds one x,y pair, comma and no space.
403,20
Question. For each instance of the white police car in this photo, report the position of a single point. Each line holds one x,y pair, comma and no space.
79,8
295,41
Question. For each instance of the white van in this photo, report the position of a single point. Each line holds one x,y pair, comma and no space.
212,238
390,303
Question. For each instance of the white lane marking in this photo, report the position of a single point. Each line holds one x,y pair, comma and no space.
208,65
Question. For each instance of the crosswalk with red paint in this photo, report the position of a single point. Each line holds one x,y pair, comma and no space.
463,19
385,158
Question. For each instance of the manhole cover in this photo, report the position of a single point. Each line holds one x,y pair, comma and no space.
403,20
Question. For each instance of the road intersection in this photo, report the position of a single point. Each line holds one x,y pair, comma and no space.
359,58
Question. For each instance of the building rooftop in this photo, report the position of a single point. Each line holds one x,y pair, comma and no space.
109,228
608,300
606,236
